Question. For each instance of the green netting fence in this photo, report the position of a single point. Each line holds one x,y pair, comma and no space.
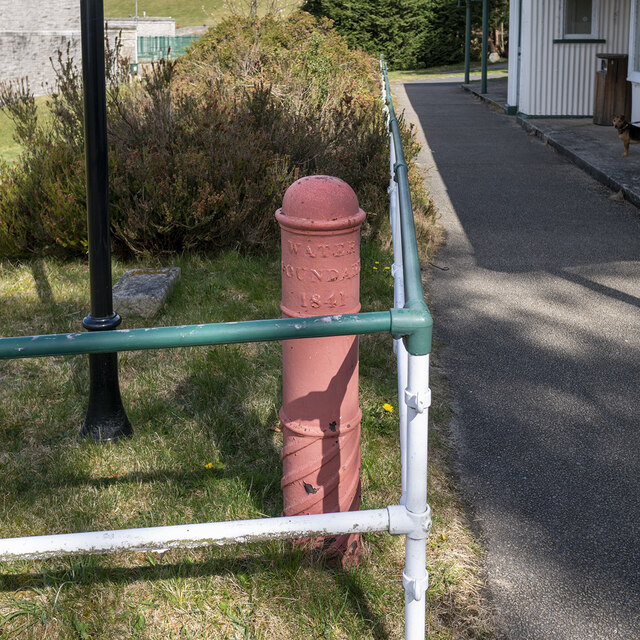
159,47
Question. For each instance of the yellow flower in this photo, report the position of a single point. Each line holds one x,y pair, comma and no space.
387,268
377,262
209,465
387,407
375,268
444,537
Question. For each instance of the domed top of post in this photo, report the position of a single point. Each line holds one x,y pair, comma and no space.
323,203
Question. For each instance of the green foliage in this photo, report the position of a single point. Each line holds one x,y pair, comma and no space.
202,150
442,38
387,27
409,33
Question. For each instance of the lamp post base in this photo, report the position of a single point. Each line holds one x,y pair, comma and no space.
106,420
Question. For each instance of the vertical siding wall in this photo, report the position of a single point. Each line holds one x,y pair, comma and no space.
559,78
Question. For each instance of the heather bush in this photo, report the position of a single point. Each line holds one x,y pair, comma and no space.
203,148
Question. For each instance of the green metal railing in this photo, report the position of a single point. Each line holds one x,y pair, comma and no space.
159,47
407,323
413,295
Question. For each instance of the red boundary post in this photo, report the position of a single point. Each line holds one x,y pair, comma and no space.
320,224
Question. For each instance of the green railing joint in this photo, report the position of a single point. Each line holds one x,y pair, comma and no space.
396,169
415,326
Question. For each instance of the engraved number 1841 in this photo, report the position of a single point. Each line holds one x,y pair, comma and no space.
315,300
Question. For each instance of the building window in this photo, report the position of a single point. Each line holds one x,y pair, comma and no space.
581,18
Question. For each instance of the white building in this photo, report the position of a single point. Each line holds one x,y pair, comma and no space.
552,53
132,28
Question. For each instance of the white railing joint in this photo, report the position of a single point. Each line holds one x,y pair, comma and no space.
419,401
415,588
407,523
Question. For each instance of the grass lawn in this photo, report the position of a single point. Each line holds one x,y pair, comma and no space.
9,149
206,447
447,71
188,13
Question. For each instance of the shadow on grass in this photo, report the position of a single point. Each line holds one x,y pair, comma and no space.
359,603
43,288
185,478
218,394
88,571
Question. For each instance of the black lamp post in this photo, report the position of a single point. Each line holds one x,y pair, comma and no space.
467,43
467,39
485,44
105,419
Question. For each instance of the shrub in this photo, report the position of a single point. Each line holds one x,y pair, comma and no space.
202,150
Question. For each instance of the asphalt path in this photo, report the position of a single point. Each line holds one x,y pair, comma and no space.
538,316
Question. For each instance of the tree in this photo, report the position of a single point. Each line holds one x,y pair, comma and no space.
384,27
442,33
409,33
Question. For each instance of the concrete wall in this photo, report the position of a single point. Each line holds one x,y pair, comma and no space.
558,78
126,31
156,27
147,26
38,15
31,32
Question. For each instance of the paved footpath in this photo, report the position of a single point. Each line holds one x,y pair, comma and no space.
540,321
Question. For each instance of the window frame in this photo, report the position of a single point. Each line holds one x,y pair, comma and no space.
595,25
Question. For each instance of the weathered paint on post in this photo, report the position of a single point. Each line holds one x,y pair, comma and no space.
320,222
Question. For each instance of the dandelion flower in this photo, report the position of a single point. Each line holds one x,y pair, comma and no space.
387,407
209,465
375,268
377,262
387,268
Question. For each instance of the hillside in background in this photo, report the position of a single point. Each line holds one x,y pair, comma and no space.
189,13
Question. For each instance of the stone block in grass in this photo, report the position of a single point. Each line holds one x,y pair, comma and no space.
142,292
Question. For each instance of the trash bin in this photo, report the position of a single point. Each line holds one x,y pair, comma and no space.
613,92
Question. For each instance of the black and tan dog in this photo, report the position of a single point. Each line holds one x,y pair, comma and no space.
629,133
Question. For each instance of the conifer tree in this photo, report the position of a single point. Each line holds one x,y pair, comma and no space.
387,27
409,33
